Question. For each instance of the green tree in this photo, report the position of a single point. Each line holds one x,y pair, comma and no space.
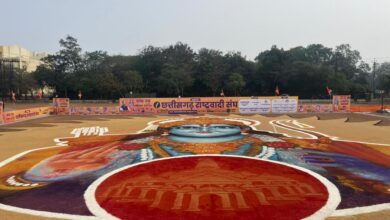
305,80
210,71
345,60
383,77
105,85
132,81
149,64
62,66
84,79
178,65
318,54
236,63
271,64
70,55
175,79
26,84
92,61
177,70
235,83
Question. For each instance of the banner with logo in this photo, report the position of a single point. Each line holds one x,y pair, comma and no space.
111,110
179,105
204,105
341,103
255,106
284,105
317,108
24,114
61,105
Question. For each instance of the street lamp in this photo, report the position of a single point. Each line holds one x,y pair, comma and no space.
381,92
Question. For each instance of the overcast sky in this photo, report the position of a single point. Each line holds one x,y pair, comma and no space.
249,26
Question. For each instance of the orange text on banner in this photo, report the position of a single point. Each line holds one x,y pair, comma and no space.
24,114
204,105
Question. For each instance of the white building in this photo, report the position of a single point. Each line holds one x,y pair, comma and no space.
20,57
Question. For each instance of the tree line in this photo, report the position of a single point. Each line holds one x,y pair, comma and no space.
178,70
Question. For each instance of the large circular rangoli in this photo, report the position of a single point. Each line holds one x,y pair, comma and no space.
211,187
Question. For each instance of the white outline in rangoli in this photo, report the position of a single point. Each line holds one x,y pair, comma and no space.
151,125
330,206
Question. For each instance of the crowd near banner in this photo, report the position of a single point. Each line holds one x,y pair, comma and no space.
24,114
61,106
203,105
341,103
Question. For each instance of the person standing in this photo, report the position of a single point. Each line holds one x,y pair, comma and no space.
277,92
13,96
80,95
40,93
222,94
2,108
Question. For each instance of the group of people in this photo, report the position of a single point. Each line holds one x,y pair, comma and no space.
13,95
39,94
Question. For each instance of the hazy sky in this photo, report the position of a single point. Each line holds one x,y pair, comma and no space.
249,26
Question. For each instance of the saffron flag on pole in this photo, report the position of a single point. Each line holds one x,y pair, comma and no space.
277,92
328,90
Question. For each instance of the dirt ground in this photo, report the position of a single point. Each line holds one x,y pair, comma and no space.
32,134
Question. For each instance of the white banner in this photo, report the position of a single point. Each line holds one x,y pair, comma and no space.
284,105
255,106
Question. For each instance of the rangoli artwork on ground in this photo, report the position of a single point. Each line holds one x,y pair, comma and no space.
201,167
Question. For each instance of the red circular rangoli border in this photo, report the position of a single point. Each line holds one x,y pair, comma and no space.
210,187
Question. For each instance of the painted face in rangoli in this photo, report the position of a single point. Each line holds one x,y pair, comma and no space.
71,164
205,133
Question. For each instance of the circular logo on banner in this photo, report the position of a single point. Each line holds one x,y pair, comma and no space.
157,104
211,187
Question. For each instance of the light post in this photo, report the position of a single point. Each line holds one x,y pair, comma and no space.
373,81
2,78
383,107
382,93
